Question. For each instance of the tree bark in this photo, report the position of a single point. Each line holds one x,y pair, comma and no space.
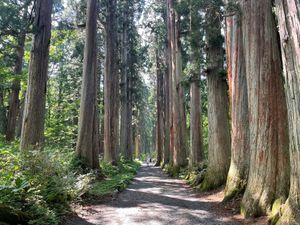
111,87
33,119
159,112
87,147
288,12
3,119
166,112
218,124
268,180
14,101
240,155
126,141
124,86
196,153
129,141
20,116
171,63
196,126
101,150
178,129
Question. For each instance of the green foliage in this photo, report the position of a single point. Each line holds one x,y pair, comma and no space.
212,180
63,95
39,184
232,7
172,170
145,156
14,16
117,177
196,175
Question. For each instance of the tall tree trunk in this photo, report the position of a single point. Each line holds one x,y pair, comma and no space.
218,123
20,116
100,76
3,119
87,147
129,143
111,90
126,91
101,150
240,155
137,147
178,129
14,101
171,63
289,29
166,112
196,155
159,112
34,111
268,180
124,84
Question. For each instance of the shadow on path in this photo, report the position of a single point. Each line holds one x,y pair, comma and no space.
153,198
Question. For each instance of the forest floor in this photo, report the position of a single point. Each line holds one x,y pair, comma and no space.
153,198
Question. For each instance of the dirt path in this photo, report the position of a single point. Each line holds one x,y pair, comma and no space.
154,199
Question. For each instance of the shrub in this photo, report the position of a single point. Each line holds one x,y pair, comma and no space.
38,184
117,177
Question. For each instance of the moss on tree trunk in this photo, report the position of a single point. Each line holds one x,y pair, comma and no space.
240,155
288,12
218,105
269,156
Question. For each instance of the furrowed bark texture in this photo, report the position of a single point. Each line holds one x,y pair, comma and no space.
196,126
218,106
196,52
130,83
269,161
87,147
14,101
166,152
240,152
165,90
33,119
20,117
171,65
218,131
3,118
159,113
111,87
179,122
288,12
129,143
124,88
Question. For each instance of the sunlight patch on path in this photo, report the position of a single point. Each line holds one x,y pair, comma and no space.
154,199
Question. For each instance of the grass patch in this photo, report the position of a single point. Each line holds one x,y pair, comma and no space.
117,177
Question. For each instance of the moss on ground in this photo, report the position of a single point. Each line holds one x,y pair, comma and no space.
212,180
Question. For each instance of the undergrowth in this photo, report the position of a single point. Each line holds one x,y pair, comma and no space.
36,187
193,175
117,177
173,171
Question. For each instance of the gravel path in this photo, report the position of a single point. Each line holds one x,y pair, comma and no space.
153,199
